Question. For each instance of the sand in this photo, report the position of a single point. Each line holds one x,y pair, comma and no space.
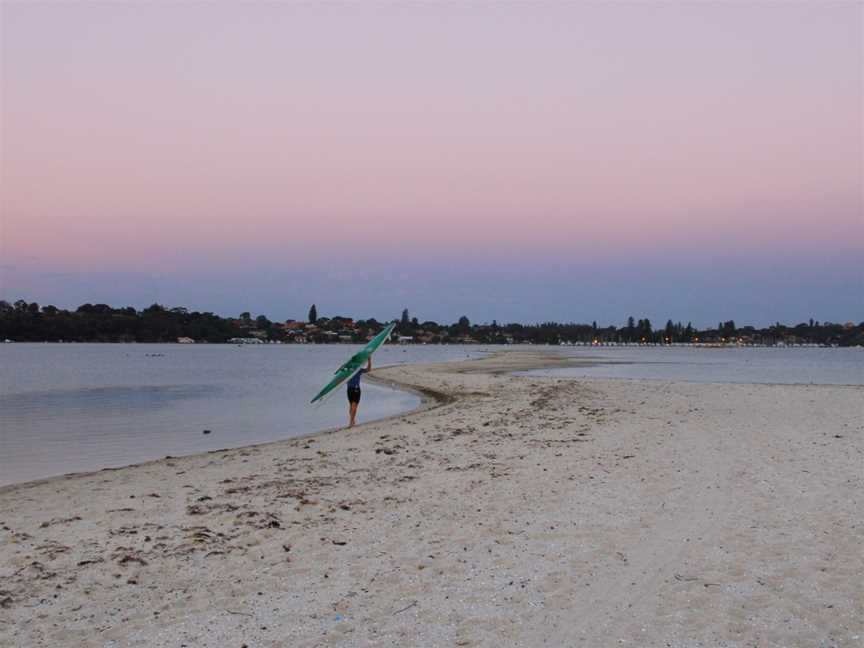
507,511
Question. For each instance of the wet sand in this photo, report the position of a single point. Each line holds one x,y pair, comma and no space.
507,511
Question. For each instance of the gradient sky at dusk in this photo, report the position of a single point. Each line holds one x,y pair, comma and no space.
520,161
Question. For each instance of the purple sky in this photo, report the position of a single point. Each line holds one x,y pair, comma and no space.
518,162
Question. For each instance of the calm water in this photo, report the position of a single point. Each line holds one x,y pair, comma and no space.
79,407
737,365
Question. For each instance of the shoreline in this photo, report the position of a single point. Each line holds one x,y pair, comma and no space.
426,401
429,399
524,510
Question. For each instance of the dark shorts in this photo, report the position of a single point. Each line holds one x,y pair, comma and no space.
353,394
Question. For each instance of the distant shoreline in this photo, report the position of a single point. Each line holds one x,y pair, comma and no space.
604,345
22,321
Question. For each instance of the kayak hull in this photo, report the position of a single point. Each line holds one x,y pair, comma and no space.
355,363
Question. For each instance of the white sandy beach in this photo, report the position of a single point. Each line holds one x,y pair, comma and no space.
522,511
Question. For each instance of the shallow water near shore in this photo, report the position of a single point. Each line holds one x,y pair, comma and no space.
81,407
816,366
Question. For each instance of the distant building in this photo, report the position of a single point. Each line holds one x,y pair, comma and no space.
185,340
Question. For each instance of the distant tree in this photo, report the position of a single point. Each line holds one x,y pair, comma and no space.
631,329
50,310
262,322
464,324
405,319
246,317
313,314
669,332
5,307
645,330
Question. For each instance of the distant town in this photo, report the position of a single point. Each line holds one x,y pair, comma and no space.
24,321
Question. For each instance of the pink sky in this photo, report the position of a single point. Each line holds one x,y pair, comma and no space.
180,138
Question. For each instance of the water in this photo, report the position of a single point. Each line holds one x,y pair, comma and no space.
821,366
80,407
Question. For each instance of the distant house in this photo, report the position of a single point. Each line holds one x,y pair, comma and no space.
346,339
405,339
291,325
185,340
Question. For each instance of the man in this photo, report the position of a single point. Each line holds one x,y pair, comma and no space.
354,393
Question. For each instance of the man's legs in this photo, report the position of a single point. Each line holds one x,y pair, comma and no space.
352,413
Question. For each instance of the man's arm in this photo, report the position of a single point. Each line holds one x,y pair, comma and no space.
369,365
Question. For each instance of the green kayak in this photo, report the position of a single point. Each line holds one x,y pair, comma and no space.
355,363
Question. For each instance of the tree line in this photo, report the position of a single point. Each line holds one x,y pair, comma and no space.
29,322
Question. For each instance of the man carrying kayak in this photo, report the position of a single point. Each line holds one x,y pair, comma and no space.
354,393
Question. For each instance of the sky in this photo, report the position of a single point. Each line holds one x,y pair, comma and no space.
516,161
